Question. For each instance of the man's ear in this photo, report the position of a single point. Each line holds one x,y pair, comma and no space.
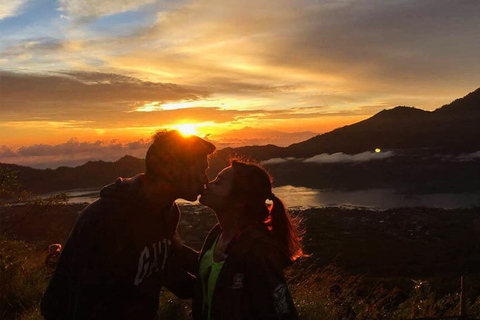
170,173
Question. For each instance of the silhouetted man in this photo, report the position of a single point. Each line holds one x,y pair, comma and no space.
120,252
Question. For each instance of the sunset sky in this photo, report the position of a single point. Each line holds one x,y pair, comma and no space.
89,75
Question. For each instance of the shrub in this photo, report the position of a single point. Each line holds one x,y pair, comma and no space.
22,283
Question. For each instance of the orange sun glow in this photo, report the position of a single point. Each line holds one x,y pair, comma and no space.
187,129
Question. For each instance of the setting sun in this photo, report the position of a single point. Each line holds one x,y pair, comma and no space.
187,129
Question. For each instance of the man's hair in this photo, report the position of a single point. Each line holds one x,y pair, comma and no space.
170,148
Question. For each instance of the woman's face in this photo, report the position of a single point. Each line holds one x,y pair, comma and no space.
216,194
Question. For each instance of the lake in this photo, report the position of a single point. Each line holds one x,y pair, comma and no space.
301,197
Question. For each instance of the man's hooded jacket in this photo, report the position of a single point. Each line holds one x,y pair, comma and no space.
116,259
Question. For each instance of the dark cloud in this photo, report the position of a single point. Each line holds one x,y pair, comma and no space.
78,93
73,146
229,85
428,42
320,112
107,100
40,46
6,152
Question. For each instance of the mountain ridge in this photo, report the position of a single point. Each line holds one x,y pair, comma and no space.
449,130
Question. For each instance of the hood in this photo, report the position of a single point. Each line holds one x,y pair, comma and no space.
129,189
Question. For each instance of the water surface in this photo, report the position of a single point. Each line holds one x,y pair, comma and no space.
302,197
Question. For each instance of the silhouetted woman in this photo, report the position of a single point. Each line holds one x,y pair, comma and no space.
242,260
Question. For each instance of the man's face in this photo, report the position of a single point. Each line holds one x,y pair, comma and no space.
192,179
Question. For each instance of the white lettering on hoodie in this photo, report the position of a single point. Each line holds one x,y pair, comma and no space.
150,258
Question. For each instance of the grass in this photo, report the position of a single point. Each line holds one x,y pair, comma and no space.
331,293
23,278
320,290
319,293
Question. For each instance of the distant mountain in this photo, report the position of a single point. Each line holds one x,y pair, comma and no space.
257,136
453,128
422,140
93,174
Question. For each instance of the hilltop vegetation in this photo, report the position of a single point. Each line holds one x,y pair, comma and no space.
398,263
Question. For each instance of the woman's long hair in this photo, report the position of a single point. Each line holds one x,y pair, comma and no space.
252,186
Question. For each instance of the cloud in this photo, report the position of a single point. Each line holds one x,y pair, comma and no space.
283,60
290,53
334,46
465,157
35,124
33,46
341,157
94,8
80,92
338,157
383,43
278,160
73,147
100,101
6,152
72,152
10,8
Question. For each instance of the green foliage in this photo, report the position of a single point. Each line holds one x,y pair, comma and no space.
11,192
32,314
47,202
22,281
10,188
319,291
23,278
330,293
173,308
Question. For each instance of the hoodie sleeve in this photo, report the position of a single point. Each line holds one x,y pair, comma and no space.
83,277
64,292
178,277
56,299
182,267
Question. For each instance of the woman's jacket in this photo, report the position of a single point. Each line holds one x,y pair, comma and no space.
251,284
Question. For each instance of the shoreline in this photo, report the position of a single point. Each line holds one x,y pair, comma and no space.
300,198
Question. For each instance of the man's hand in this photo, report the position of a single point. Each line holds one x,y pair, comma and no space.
177,242
172,218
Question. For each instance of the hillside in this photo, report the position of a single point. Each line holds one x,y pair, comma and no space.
452,128
93,174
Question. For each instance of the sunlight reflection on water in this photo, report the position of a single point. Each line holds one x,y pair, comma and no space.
372,198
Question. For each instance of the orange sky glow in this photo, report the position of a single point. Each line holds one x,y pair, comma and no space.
81,73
